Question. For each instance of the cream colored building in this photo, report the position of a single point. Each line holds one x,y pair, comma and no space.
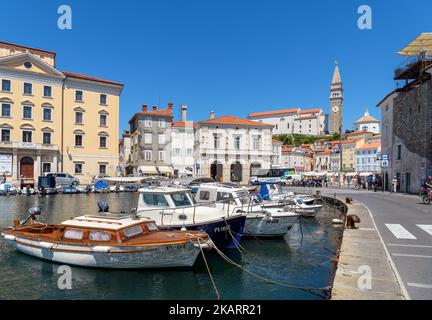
293,157
308,122
230,149
54,121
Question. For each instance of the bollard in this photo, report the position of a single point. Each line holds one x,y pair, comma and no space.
351,220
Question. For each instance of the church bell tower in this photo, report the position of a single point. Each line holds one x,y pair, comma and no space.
336,100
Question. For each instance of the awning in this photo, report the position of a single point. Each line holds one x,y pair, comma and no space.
365,174
148,169
309,174
420,44
165,169
350,174
124,179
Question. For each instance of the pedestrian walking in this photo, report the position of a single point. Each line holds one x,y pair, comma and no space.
394,184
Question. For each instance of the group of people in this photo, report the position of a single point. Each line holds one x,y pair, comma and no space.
371,182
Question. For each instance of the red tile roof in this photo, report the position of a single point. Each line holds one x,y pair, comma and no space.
183,124
162,112
287,148
372,145
309,111
234,121
326,151
81,76
271,113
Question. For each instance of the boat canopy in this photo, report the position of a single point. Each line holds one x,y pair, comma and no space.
124,179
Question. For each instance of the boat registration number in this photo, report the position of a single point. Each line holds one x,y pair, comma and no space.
273,221
222,229
175,246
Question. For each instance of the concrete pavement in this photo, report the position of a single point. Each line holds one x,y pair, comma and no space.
364,270
405,226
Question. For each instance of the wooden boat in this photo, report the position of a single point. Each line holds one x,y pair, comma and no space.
174,208
260,222
106,240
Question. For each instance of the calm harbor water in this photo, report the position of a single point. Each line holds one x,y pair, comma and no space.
295,260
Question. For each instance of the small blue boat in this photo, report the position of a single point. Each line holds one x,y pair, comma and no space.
100,186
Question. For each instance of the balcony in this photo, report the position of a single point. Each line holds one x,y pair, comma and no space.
413,67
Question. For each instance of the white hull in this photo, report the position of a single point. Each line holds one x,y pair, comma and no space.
308,211
158,256
261,226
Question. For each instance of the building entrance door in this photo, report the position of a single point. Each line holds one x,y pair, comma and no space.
27,168
407,182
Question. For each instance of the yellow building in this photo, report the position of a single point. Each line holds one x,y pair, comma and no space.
348,153
54,121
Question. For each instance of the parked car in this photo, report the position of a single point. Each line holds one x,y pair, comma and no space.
64,178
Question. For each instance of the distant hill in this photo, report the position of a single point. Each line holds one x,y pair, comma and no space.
297,139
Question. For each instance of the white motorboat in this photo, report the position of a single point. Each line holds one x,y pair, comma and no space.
106,240
272,197
175,208
260,222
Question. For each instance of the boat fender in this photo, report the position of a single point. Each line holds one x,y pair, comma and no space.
46,245
102,249
337,221
10,237
268,216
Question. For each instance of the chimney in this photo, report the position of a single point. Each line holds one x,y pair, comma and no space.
144,107
170,106
183,114
154,107
212,114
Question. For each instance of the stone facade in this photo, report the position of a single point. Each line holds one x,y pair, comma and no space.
412,145
229,148
151,141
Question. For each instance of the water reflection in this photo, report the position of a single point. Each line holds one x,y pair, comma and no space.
295,259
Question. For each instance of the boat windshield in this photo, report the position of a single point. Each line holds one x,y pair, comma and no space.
244,197
155,200
180,199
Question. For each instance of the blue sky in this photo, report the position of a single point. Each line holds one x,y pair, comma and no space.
233,57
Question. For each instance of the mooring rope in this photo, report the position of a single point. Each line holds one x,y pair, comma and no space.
307,289
208,270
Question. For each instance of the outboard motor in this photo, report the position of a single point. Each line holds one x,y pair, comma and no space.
103,206
32,213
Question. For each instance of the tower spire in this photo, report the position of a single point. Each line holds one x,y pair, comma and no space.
336,74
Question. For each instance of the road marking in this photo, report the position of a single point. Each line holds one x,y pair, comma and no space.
399,231
419,285
408,245
411,255
426,227
402,287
